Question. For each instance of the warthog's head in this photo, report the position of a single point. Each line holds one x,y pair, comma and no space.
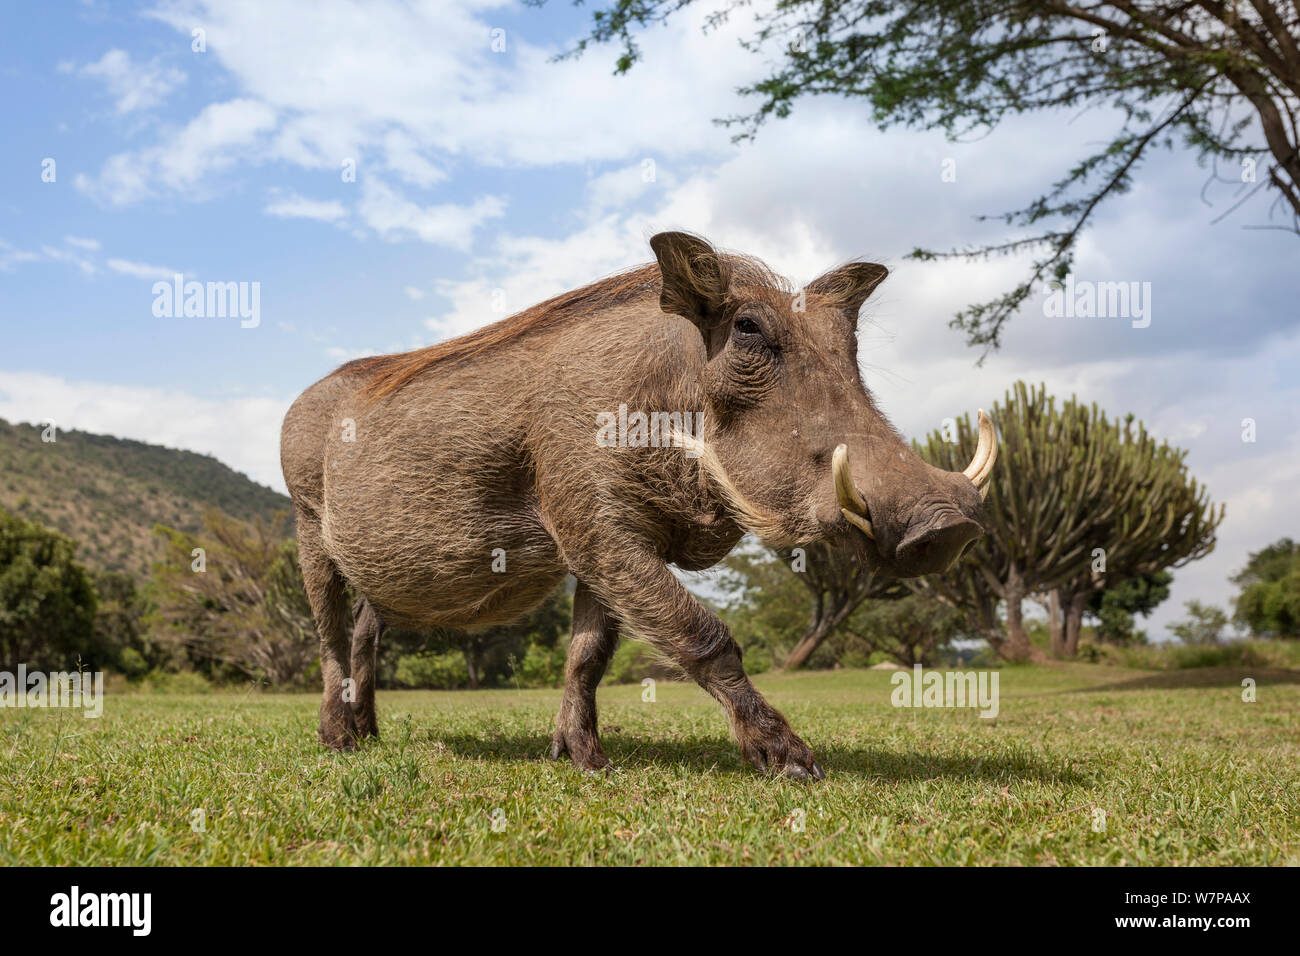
797,446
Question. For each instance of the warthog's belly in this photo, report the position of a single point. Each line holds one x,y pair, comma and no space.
480,602
428,572
434,523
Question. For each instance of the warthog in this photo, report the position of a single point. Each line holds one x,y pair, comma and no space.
458,484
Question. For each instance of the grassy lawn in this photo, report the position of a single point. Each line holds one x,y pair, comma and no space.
1184,771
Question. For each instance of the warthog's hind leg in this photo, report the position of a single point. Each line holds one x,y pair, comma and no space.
329,606
367,628
595,634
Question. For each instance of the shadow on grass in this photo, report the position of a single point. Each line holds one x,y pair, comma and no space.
1192,677
722,756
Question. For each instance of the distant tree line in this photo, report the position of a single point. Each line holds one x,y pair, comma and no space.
228,605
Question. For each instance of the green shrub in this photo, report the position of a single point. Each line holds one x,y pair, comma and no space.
1280,654
132,663
185,682
758,658
633,662
857,659
432,671
541,667
1203,655
1284,653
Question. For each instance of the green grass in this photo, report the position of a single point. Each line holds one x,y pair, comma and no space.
1185,772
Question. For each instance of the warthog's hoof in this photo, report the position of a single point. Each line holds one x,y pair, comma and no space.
338,731
367,724
583,749
336,741
783,754
799,773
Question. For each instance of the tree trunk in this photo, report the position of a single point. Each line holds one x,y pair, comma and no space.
1056,623
1017,646
810,641
1074,621
817,632
471,667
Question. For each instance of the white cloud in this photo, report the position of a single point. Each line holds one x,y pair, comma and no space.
408,87
524,270
340,354
404,156
214,140
141,270
80,252
73,256
395,217
413,293
292,206
619,187
134,86
242,432
11,256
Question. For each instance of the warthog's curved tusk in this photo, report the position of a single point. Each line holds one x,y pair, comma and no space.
852,504
986,454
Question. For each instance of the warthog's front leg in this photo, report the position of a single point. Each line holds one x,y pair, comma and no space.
765,736
595,635
651,602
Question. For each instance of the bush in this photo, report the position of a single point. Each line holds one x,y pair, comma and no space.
541,667
1205,655
132,663
247,615
1279,654
758,658
1269,602
432,671
1093,653
47,599
859,660
186,682
635,661
1205,624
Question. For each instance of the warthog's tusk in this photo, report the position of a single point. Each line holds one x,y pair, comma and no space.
852,505
986,454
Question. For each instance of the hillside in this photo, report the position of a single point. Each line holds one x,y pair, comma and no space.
108,493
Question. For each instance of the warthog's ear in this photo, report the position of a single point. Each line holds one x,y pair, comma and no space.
849,285
695,278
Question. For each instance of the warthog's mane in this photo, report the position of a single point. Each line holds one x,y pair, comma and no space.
388,373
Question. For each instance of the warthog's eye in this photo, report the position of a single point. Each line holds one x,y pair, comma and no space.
751,366
751,339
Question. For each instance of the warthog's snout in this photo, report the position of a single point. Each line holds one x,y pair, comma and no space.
927,532
934,545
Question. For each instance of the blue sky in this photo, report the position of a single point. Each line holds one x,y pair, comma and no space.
489,176
323,284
